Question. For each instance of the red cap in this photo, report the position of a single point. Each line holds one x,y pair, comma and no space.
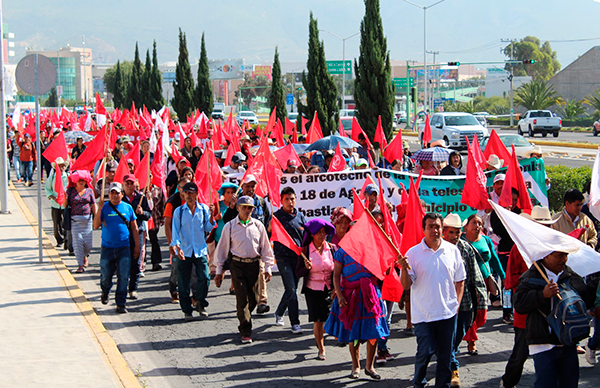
129,177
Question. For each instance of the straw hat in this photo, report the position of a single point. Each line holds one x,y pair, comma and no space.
59,161
495,161
453,220
535,150
541,215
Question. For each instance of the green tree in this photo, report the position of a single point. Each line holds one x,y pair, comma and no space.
530,47
52,100
593,100
321,92
204,95
146,98
183,87
134,90
571,109
276,95
111,75
536,95
373,92
155,88
119,90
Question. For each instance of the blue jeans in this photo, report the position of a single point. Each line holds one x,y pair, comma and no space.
17,166
462,326
389,310
557,368
27,171
437,338
115,260
184,278
595,340
289,299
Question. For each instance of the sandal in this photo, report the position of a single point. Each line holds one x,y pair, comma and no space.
321,356
80,270
374,375
355,374
85,261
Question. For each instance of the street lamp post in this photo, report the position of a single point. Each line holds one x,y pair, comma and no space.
84,75
344,62
425,78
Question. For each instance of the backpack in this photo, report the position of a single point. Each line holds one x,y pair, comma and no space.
568,317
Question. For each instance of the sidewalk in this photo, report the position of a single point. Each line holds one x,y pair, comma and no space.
50,335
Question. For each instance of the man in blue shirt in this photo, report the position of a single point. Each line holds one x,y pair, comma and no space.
118,233
191,222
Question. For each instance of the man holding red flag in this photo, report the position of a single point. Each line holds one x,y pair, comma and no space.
293,222
435,272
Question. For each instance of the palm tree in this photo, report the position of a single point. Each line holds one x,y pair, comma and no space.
593,100
570,109
536,95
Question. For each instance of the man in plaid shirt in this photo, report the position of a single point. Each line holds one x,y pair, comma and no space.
475,293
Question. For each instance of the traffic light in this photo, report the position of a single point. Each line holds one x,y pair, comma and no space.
453,63
299,89
413,93
529,61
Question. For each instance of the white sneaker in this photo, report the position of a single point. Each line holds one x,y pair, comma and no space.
278,320
590,355
296,329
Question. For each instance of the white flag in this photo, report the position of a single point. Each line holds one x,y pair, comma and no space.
594,202
536,241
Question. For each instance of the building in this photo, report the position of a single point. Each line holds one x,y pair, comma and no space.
580,78
497,82
74,79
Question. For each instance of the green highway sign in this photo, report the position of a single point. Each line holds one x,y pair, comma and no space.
400,83
337,67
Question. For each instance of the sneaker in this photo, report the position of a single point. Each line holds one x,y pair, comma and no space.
19,180
104,298
262,309
142,274
278,320
296,329
201,310
507,320
188,317
388,355
174,296
156,267
380,359
133,295
455,381
590,355
246,340
121,310
231,291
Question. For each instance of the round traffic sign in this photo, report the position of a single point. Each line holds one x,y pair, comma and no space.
46,74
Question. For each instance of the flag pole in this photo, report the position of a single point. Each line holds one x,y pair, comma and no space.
106,129
544,276
385,234
208,172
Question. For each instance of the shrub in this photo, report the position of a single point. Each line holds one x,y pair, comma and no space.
563,178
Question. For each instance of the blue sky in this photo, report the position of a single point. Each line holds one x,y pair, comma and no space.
461,30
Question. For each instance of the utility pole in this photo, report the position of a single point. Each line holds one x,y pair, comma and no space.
435,78
510,78
4,163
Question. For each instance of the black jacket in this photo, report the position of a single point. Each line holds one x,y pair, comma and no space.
147,213
529,300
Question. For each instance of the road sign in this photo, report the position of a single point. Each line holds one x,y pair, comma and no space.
400,83
289,99
337,67
46,74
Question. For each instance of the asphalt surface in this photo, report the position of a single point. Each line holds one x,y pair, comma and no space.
165,351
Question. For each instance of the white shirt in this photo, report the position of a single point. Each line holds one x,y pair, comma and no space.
433,273
539,348
230,170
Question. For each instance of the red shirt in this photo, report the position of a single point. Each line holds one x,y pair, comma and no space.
515,268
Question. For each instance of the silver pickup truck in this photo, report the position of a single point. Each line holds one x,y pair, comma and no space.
539,121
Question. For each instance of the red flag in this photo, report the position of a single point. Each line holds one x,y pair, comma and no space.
341,130
100,109
413,228
338,163
358,207
496,147
279,134
193,138
56,149
392,288
380,135
294,138
480,159
474,192
376,255
157,167
279,234
514,179
404,195
122,170
93,153
286,153
357,130
272,120
290,128
314,133
303,123
231,150
134,154
395,150
175,155
272,176
368,181
257,168
390,227
58,185
142,171
208,177
426,132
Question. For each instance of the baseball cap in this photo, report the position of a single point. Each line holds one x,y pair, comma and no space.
129,177
499,177
190,187
245,201
111,166
249,178
116,186
370,189
361,162
292,163
238,157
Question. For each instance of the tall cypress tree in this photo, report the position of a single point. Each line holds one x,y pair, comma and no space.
276,96
203,95
321,92
134,92
183,87
373,92
146,97
120,92
155,90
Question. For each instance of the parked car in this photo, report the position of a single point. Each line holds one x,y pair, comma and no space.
539,121
400,117
522,145
347,112
347,124
482,119
246,115
453,127
293,116
596,128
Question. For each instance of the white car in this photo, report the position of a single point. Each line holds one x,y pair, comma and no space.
293,116
453,127
347,112
246,115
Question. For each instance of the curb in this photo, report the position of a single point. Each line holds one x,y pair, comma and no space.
107,344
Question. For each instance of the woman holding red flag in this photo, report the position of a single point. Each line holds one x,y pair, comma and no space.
340,219
357,313
317,271
80,200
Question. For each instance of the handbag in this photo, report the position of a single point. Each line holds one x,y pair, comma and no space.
66,221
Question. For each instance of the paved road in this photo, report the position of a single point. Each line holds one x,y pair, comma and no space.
579,137
167,352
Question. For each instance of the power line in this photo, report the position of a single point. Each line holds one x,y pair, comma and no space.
483,47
